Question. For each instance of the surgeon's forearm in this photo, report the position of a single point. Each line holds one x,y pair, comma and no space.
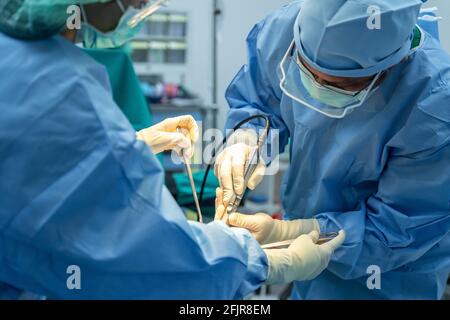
257,266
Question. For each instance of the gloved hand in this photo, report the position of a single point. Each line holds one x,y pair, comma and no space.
267,230
164,136
303,260
230,164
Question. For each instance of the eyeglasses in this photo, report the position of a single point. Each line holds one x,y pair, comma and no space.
322,83
290,75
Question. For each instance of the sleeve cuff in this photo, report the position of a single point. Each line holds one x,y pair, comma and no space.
327,225
257,266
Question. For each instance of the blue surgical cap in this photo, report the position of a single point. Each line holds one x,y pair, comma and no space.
355,38
34,19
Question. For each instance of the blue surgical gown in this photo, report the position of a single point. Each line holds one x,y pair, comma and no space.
382,173
78,189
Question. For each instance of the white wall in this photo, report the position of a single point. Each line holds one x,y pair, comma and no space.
235,22
444,24
197,74
200,37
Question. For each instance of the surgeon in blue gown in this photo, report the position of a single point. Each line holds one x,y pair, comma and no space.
78,188
366,113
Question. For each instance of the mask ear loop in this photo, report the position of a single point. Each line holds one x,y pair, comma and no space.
120,5
83,14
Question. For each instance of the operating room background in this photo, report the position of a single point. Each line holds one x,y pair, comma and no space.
238,17
202,56
208,50
201,50
444,24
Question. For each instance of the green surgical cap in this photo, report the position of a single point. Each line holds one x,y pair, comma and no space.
36,19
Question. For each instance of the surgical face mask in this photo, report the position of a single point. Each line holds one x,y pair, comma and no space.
329,95
298,83
128,26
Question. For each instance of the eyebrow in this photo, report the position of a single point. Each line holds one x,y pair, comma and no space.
348,82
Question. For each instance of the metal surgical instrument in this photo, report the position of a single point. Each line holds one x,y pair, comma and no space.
285,244
192,183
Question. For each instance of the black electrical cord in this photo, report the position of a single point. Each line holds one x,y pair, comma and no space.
261,140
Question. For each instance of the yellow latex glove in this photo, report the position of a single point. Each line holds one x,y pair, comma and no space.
303,260
164,136
221,213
